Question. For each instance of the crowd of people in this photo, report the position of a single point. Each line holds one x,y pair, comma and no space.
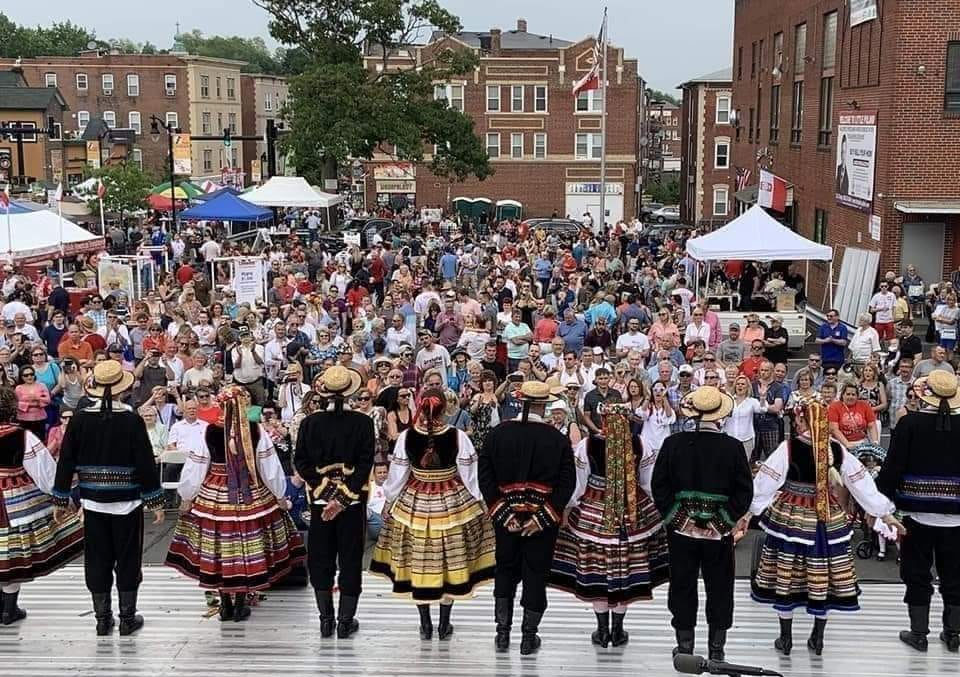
496,403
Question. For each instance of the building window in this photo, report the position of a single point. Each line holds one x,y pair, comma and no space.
28,138
133,84
107,81
205,123
751,127
57,132
820,226
50,79
493,145
231,88
952,84
110,118
173,119
753,61
267,101
720,200
740,63
778,51
232,122
826,112
799,47
723,110
133,121
721,154
540,146
590,101
81,82
493,98
136,155
170,84
516,98
217,79
516,146
207,160
775,114
829,59
83,119
588,146
540,99
452,94
219,123
796,117
205,86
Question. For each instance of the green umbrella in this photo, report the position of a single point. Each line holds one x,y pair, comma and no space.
191,189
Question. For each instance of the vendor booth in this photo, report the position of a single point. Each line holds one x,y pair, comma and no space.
756,236
509,209
41,234
294,191
240,215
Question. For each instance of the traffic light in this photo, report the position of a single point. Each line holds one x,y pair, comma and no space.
226,137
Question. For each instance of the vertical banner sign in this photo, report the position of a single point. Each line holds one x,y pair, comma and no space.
875,227
182,161
255,171
862,11
248,281
93,154
856,159
56,164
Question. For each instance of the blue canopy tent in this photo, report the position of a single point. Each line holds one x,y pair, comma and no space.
206,197
17,207
228,207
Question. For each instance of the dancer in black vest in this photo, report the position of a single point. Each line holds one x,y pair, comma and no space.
334,455
527,476
107,447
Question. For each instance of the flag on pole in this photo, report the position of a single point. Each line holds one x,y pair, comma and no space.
101,189
5,199
743,178
592,79
58,196
772,192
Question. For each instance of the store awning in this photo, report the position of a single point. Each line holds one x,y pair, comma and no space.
928,207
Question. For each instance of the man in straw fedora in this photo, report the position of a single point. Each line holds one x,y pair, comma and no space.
334,455
702,485
107,447
921,474
527,476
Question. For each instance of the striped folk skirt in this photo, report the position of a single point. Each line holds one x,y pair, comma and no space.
437,541
31,543
805,562
234,547
616,566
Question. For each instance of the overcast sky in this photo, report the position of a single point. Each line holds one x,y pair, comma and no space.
673,40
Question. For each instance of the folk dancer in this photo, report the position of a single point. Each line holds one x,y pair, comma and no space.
527,476
334,455
702,485
612,548
437,543
107,447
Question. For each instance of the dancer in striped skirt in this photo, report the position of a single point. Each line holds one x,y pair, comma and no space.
805,560
612,548
32,544
437,543
235,535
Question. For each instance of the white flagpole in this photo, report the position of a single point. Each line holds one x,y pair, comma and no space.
103,227
9,233
603,126
60,214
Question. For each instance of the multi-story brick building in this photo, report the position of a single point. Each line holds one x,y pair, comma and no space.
706,137
857,105
664,124
263,99
543,142
34,157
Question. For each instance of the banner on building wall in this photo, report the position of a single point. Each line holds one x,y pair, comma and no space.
875,227
248,281
93,154
404,171
772,191
856,159
182,160
862,11
255,171
56,164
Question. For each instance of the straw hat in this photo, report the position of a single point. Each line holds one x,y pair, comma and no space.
109,373
941,385
341,381
538,391
707,404
86,323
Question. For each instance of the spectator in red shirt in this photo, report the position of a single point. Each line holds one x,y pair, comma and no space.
852,420
155,340
751,365
88,329
184,274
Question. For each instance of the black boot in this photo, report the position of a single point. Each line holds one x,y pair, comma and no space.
686,639
784,643
103,610
444,629
529,640
241,610
226,606
601,636
716,640
919,627
951,628
130,621
503,614
328,615
618,635
815,643
346,623
426,625
11,612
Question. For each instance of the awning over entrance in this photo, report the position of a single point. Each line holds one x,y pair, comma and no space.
928,207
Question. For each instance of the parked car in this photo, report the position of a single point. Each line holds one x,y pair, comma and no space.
666,214
562,227
368,228
660,230
649,209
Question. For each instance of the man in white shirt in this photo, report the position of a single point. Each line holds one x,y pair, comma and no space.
397,335
28,330
185,436
421,304
275,352
882,304
634,339
210,249
553,360
375,502
248,366
432,355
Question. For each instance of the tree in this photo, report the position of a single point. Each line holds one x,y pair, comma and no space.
339,109
657,95
127,189
252,50
60,39
667,193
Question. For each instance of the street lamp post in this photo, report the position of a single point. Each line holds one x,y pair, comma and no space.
156,124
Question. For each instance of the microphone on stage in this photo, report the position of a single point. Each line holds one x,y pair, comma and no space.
697,665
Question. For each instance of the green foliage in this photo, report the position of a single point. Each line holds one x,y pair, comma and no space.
657,95
59,39
127,189
252,50
667,192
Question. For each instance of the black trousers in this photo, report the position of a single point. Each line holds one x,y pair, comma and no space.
689,558
338,542
527,559
113,543
921,549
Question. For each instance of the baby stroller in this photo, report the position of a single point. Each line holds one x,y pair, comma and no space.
872,456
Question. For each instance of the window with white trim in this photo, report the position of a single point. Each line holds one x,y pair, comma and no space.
516,145
723,110
493,145
720,200
136,156
493,98
452,94
267,101
133,122
205,86
231,89
540,99
170,84
133,84
50,79
232,122
217,80
82,82
207,160
205,122
173,119
110,118
721,154
590,101
107,81
83,119
57,132
540,146
516,98
588,146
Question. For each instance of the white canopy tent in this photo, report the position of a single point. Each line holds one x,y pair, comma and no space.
37,236
294,191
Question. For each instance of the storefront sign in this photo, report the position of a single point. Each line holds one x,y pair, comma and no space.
255,171
593,188
875,227
56,164
248,281
856,159
396,186
862,11
395,170
93,154
182,160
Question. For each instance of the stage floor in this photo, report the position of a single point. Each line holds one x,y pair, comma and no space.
282,638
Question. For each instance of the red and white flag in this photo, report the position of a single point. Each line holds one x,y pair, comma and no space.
592,79
772,193
58,196
743,178
101,189
5,199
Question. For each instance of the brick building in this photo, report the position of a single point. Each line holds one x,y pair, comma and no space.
706,137
544,143
664,124
814,83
